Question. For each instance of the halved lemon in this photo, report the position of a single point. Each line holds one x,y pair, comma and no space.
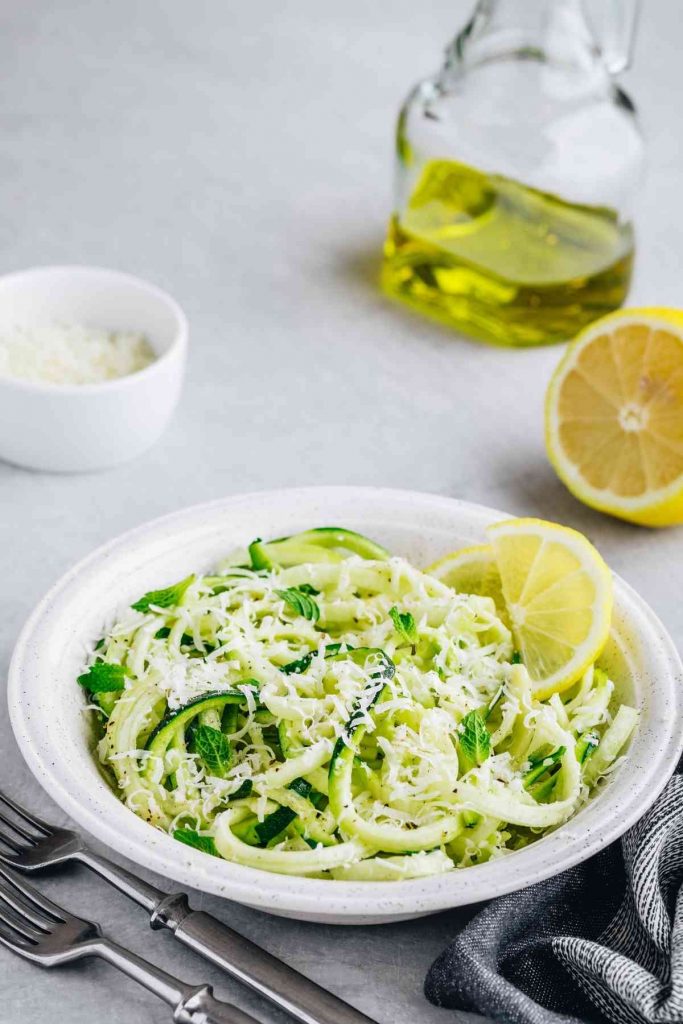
558,593
614,416
472,571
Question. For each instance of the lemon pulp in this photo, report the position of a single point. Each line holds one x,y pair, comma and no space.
614,416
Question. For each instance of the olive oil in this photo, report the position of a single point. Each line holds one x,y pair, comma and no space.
502,261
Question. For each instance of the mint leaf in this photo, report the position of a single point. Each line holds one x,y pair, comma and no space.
301,602
306,588
475,741
167,598
213,748
163,634
404,624
198,842
102,677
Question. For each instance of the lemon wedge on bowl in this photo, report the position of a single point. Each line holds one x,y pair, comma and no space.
473,571
614,416
556,591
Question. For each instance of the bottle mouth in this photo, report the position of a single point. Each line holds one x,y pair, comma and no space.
553,33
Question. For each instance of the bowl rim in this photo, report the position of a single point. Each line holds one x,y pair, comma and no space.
177,347
329,899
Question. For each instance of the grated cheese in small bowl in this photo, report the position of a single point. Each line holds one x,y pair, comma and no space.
69,354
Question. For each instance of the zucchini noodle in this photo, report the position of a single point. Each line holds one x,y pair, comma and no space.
321,708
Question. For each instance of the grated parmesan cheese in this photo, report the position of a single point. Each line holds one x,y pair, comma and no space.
72,354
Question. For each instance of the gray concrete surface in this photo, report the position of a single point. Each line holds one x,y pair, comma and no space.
240,156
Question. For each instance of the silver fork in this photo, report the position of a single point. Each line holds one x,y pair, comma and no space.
43,932
31,844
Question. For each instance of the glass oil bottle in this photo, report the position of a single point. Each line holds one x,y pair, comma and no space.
517,167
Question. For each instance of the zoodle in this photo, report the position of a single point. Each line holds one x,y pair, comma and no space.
318,707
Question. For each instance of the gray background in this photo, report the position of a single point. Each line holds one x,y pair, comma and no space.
240,156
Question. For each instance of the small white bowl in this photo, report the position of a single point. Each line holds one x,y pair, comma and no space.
52,728
71,428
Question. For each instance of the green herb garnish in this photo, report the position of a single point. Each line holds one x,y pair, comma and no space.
198,842
475,740
102,677
301,602
404,624
167,598
213,748
163,634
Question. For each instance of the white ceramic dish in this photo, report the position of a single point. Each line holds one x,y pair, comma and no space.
52,729
90,426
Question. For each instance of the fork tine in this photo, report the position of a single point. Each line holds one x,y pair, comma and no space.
9,897
20,946
19,829
12,844
18,923
39,901
30,819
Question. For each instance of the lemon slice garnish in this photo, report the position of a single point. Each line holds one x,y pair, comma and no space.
558,594
472,570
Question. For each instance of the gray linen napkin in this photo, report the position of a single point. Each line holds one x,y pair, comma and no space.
600,942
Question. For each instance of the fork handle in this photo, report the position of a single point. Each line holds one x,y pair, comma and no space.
190,1005
202,1008
292,992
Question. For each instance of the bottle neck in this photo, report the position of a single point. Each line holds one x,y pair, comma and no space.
553,32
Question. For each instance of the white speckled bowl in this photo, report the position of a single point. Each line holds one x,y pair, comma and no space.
46,705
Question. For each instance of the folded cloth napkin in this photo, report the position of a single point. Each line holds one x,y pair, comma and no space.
600,942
